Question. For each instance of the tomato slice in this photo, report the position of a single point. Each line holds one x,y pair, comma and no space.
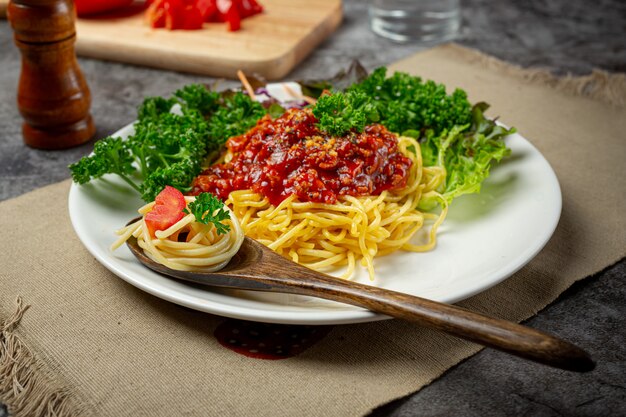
167,210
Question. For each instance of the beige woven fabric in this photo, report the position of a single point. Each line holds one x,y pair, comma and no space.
94,345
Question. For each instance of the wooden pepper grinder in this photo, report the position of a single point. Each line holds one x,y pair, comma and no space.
53,96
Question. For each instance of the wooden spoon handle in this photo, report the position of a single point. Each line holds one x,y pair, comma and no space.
503,335
259,268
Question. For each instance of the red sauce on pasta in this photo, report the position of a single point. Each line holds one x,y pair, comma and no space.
290,155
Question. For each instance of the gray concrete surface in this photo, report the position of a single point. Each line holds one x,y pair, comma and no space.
562,36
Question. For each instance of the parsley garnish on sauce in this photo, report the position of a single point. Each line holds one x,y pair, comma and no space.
453,134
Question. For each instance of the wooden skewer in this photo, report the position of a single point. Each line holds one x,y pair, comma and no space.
295,94
246,84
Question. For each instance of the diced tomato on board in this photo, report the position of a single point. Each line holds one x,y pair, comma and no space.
155,15
192,19
174,14
191,14
208,9
233,18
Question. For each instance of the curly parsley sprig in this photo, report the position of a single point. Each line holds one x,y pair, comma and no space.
172,137
401,103
209,209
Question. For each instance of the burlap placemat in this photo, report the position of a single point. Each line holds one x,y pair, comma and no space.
91,344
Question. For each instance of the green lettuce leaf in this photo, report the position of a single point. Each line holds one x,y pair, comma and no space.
466,153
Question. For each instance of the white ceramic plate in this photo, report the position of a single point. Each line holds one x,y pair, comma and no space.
485,238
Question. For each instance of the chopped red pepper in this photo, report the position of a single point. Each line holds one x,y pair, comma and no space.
174,10
155,15
249,8
192,18
191,14
208,9
233,18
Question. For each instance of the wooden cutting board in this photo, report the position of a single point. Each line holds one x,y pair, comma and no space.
270,44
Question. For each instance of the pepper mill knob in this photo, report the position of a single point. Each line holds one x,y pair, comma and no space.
53,97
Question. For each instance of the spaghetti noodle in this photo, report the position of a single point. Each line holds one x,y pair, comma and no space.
187,245
323,201
354,229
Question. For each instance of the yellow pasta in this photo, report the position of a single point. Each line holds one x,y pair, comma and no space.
355,229
187,245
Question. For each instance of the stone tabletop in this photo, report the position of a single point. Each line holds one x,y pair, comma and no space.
562,36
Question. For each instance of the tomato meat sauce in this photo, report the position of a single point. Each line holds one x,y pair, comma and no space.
291,156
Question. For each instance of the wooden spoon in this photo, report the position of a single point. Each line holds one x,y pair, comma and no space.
256,267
